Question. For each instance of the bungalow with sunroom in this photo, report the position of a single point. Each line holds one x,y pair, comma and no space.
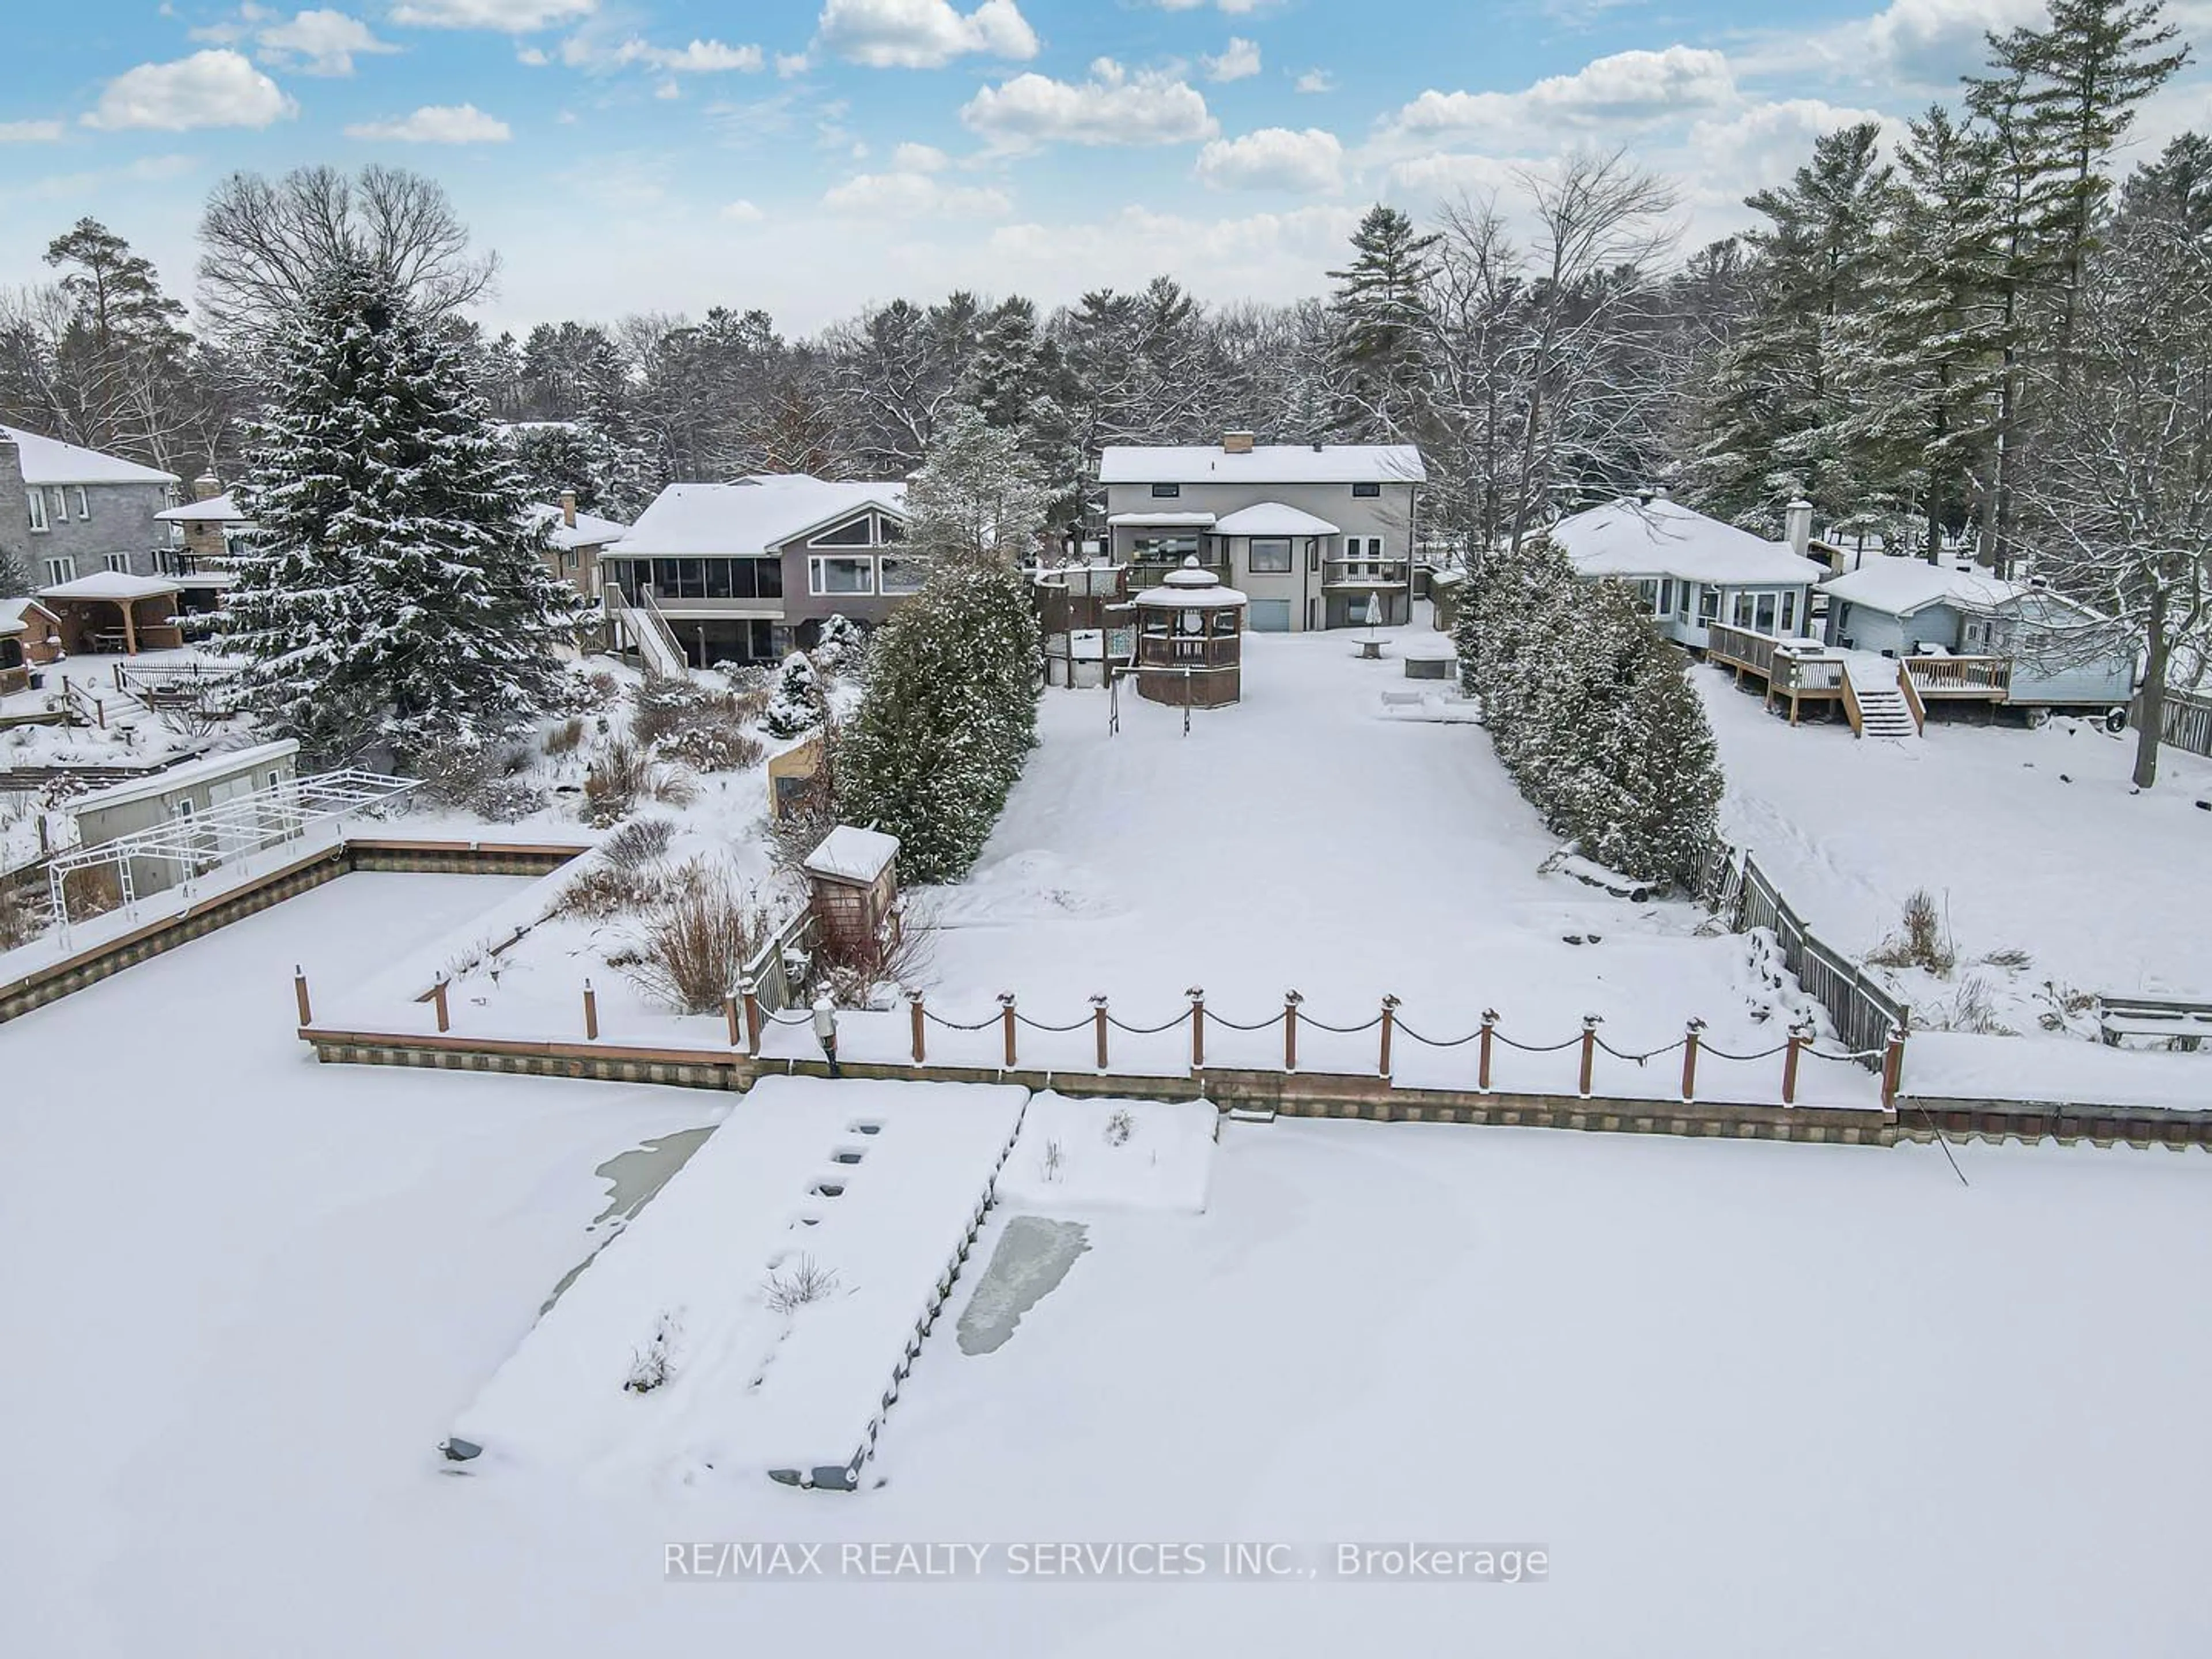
1309,533
67,511
1963,634
1696,574
749,570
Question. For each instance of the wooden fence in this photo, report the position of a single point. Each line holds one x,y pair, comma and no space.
2185,721
1734,887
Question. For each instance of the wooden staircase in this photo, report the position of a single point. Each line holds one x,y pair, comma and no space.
1879,710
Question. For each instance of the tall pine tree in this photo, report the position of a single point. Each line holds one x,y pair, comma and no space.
1382,302
390,597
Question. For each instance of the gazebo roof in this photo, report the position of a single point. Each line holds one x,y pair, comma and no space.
117,587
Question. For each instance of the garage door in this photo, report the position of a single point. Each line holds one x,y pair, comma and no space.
1268,617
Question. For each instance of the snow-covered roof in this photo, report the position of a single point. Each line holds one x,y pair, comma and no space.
852,855
14,613
1900,587
50,461
751,516
199,771
1662,537
1191,587
589,531
116,585
1165,520
1126,463
216,510
1273,519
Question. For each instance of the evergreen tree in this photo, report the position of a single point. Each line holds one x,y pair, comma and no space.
390,595
1382,299
842,649
15,578
1653,814
122,356
978,494
949,716
796,700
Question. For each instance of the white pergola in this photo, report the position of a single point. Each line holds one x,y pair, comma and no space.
200,841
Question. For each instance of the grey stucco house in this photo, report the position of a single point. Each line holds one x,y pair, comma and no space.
67,511
1309,532
749,570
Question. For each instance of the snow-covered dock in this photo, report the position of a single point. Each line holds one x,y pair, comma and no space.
759,1315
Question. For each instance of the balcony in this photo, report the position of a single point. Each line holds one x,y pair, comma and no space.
1985,679
1365,573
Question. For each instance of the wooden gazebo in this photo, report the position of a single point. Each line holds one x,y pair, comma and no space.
1190,640
114,612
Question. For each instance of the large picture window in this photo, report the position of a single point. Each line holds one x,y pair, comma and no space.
1271,555
832,576
1155,549
900,576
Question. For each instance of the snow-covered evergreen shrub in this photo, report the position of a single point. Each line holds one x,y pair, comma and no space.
842,649
796,700
1591,712
391,594
948,719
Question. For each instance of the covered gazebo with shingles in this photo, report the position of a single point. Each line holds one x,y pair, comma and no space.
113,612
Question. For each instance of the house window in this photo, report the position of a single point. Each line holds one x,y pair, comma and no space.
38,500
83,510
119,563
853,533
59,569
1166,492
1271,555
1313,554
899,576
890,531
1708,605
61,504
1367,491
825,576
1789,613
1159,550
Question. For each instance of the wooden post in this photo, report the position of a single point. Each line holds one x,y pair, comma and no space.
1291,1001
730,1021
1006,1020
914,1014
1892,1067
1098,1024
299,995
751,992
1590,1051
438,1001
1389,1019
1197,995
591,1013
1690,1059
1482,1069
1790,1065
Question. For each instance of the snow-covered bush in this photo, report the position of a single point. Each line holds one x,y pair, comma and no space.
1591,712
797,700
685,721
651,1366
566,738
842,649
638,843
621,775
1120,1126
691,948
1921,940
787,1289
948,719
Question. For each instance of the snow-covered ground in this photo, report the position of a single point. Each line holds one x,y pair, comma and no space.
2031,842
1754,1398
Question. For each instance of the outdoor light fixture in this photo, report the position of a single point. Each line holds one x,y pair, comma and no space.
825,1029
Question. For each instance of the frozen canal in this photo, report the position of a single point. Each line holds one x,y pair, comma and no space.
1754,1399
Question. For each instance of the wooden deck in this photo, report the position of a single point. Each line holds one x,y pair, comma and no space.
1796,679
1960,679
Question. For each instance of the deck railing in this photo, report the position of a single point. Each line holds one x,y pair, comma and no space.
1742,647
1960,676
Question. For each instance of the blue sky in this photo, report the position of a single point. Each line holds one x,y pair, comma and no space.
811,156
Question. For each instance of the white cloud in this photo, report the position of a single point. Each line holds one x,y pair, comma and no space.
789,64
322,42
532,56
512,16
1933,42
1275,158
920,158
1314,80
214,89
1732,157
921,34
1239,60
437,123
710,58
1628,87
743,213
1111,107
1435,177
1263,256
587,52
29,132
900,195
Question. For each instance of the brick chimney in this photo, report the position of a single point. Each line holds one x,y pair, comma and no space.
569,509
206,487
1236,443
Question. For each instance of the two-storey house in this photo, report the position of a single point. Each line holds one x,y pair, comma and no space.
67,511
1315,535
748,570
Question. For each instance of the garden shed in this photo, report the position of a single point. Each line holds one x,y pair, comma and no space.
853,878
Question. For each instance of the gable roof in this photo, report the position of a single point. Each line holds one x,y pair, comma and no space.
216,509
849,854
1263,463
756,514
1901,587
589,531
1273,519
50,461
15,614
1662,537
